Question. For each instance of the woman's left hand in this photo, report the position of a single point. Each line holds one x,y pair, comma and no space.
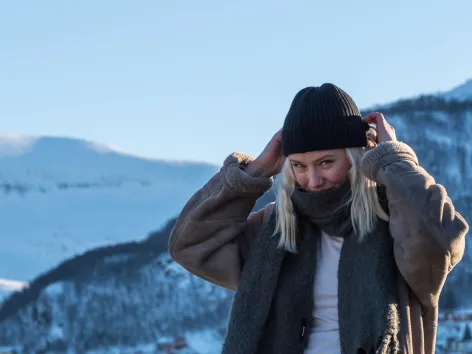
385,132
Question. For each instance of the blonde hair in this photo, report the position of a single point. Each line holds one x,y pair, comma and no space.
365,205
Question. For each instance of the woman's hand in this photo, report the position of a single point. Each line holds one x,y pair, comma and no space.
385,132
270,160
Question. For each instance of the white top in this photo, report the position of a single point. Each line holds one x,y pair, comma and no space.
324,333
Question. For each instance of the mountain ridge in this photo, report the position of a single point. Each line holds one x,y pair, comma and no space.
460,92
61,197
18,144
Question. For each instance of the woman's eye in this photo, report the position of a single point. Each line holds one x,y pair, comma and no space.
325,162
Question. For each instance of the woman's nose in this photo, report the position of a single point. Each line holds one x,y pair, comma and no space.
315,180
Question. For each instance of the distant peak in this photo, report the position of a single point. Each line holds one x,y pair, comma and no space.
462,92
15,144
99,147
63,147
12,285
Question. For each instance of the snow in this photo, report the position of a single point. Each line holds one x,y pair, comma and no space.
398,122
442,117
205,342
462,92
468,145
55,333
199,342
8,286
442,139
13,145
54,289
12,285
62,197
141,349
65,160
41,230
148,308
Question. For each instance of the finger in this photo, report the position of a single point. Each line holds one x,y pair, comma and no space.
278,133
370,118
374,117
380,121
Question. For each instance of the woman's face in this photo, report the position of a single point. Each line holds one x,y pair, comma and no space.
320,170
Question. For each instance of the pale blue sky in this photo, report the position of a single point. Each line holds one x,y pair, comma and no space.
196,80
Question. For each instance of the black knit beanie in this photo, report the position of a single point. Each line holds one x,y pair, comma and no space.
322,118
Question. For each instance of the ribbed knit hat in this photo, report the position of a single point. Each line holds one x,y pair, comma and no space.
322,118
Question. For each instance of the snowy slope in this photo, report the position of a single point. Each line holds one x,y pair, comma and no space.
7,287
61,197
132,301
462,92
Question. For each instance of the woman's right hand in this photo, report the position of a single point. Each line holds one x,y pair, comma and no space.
270,160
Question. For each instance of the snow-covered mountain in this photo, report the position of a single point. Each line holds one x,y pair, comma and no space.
122,292
460,93
125,298
60,197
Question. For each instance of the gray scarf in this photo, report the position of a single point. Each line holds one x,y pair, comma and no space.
273,305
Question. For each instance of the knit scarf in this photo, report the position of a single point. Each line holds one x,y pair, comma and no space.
274,301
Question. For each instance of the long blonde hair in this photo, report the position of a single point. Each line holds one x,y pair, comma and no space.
365,205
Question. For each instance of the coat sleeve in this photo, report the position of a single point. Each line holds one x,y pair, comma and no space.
429,234
213,233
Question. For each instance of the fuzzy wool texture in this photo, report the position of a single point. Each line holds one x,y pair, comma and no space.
367,272
397,150
322,118
237,181
253,298
274,299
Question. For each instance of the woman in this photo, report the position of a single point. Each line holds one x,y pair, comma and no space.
353,255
